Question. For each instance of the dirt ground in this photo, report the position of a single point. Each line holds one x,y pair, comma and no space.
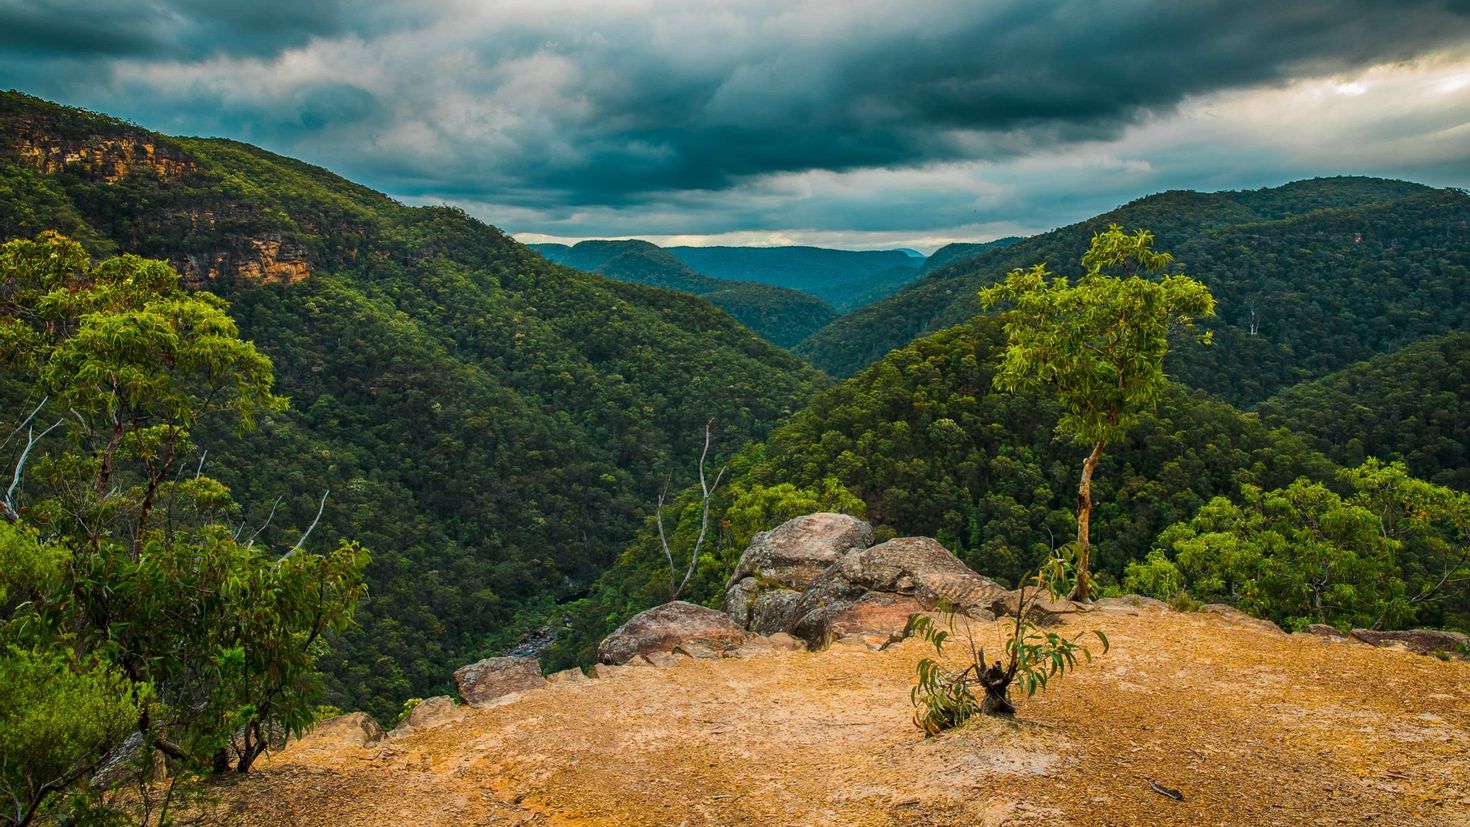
1253,727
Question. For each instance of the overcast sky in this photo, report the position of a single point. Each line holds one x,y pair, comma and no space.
848,123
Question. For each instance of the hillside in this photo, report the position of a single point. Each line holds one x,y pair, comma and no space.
1253,727
921,443
492,426
779,314
1310,278
960,251
1411,405
845,279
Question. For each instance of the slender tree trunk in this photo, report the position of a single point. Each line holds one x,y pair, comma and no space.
997,683
1083,589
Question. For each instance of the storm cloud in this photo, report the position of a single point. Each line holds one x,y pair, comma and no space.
857,119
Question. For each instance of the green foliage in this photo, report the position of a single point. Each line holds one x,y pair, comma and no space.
121,586
1412,405
59,716
1099,344
1155,575
495,427
1394,552
944,698
1298,555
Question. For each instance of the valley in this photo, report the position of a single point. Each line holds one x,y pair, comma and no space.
329,509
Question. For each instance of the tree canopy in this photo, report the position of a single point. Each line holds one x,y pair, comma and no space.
1098,345
126,597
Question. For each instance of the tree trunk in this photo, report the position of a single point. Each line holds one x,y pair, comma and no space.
997,684
1083,589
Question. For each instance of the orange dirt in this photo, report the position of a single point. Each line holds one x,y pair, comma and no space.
1254,727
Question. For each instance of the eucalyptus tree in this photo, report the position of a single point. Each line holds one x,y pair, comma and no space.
122,569
1098,345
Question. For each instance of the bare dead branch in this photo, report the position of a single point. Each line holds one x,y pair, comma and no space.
268,518
11,513
309,529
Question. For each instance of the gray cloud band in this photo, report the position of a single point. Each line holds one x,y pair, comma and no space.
559,105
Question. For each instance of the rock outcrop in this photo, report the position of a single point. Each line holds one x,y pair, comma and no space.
1418,641
105,158
429,713
1041,608
1324,630
491,678
690,629
1237,616
872,592
272,259
351,731
819,577
780,564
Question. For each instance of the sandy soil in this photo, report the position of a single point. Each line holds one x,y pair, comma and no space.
1253,727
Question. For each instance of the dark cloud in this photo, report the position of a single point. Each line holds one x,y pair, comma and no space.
574,107
84,31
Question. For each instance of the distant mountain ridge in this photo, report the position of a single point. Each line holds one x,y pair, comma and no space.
1310,277
843,278
782,315
959,251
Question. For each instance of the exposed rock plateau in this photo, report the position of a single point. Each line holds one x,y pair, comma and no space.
691,719
1255,727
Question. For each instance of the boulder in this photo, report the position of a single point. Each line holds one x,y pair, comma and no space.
1041,608
491,678
873,591
677,625
780,564
573,675
881,616
1323,630
1237,616
663,660
1127,602
429,713
355,729
1418,641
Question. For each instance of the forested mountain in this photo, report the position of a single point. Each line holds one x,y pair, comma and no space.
923,445
845,279
1310,277
493,427
781,315
960,251
1411,405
